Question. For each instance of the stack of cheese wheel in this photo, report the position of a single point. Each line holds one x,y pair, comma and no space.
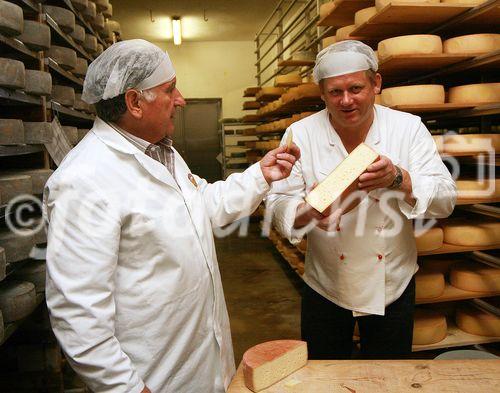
64,18
364,15
38,83
80,5
12,73
471,143
429,327
11,19
472,233
291,79
429,284
472,44
419,44
477,94
78,34
344,33
413,95
429,240
383,3
476,189
475,321
475,276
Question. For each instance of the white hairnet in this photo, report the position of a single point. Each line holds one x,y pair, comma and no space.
126,65
344,57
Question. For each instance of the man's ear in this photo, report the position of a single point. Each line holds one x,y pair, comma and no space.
132,99
378,83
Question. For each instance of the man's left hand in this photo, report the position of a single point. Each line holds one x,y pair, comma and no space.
277,164
380,174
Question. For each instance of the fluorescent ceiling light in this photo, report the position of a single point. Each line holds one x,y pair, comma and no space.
176,29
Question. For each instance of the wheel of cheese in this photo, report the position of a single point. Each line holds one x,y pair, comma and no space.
473,44
344,33
64,18
475,189
480,93
11,73
80,105
90,12
418,44
35,36
292,78
382,3
413,95
363,15
78,34
268,90
471,143
429,327
98,22
101,5
269,362
71,133
33,272
81,133
478,322
108,12
11,132
431,239
472,233
475,276
326,8
17,247
17,300
429,284
12,185
114,26
308,90
81,67
80,5
327,41
38,178
303,55
37,133
38,83
465,2
65,57
90,43
11,19
99,49
64,95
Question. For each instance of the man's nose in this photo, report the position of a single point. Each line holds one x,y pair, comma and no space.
346,98
179,99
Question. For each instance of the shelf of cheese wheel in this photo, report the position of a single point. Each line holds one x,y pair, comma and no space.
269,93
288,80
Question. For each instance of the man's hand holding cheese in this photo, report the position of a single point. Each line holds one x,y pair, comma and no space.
376,169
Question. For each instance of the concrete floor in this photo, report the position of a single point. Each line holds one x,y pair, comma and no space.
262,292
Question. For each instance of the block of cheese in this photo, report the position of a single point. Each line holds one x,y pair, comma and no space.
326,8
418,44
33,272
11,19
429,284
475,276
90,11
382,3
269,362
64,95
80,5
17,299
35,36
71,134
413,95
291,79
78,34
90,43
429,327
114,26
11,132
81,67
327,41
480,93
471,143
101,5
346,173
38,83
363,15
64,18
344,33
475,189
65,57
108,12
429,240
98,22
473,44
472,233
478,322
37,133
12,185
12,73
38,178
17,247
465,2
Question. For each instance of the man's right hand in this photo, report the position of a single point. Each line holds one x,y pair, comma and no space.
327,221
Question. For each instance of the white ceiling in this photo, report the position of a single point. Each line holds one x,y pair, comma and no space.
202,20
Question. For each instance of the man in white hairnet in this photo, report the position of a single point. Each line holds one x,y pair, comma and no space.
360,264
134,290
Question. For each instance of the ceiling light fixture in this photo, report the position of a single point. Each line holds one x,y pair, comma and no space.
176,29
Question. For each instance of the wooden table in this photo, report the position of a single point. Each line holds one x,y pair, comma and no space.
386,376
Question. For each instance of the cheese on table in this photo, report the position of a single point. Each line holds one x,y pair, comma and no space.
363,15
479,93
64,18
475,276
78,34
64,95
429,327
33,272
478,322
418,44
475,189
344,33
17,247
382,3
37,133
35,36
471,143
429,284
11,132
12,73
65,57
17,300
473,44
326,8
327,41
471,233
11,19
413,95
291,79
346,173
429,240
38,83
270,362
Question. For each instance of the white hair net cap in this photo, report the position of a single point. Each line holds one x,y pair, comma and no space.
344,57
126,65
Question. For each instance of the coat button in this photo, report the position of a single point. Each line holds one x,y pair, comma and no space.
338,229
379,256
342,257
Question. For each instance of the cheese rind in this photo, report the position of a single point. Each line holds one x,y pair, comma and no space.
36,35
363,15
11,19
473,44
37,133
11,132
292,78
475,276
421,44
475,189
472,234
12,73
429,327
478,322
64,95
17,300
17,247
479,93
413,95
78,34
344,33
64,18
13,185
65,57
429,284
38,83
326,8
431,239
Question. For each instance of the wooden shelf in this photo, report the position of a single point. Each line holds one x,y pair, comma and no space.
295,63
451,248
267,97
21,51
453,294
432,108
343,13
19,150
406,65
70,114
62,72
251,91
16,97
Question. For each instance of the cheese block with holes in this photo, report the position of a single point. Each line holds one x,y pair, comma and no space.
13,185
71,134
64,18
64,95
480,93
2,269
475,321
108,12
98,22
472,233
90,43
90,12
38,83
78,34
269,362
36,35
65,57
413,95
17,246
429,284
17,300
363,15
12,73
382,3
81,67
475,276
429,327
473,44
471,143
431,239
344,33
11,132
11,19
475,189
326,8
38,178
33,272
37,133
418,44
80,5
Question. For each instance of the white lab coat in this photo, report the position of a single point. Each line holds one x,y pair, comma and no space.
133,289
367,270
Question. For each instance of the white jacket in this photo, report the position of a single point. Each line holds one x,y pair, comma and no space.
133,287
368,270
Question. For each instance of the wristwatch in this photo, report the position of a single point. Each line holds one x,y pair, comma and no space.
398,180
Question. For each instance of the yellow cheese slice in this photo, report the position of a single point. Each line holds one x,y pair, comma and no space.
418,44
289,139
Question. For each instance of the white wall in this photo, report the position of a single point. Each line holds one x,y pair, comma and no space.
216,69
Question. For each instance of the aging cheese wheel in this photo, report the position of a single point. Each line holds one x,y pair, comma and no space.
101,5
33,272
17,247
473,44
326,8
363,15
429,284
40,234
12,73
38,178
344,33
36,35
98,22
80,5
78,34
475,189
64,18
270,362
419,44
464,2
108,12
478,322
480,93
471,143
65,57
439,141
37,133
413,95
38,83
90,43
267,145
99,49
327,41
431,239
80,105
90,12
475,276
472,233
17,300
13,185
292,78
11,132
114,26
71,134
268,90
64,95
382,3
81,67
429,327
11,18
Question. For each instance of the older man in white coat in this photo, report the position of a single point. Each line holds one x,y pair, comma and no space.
134,290
360,268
